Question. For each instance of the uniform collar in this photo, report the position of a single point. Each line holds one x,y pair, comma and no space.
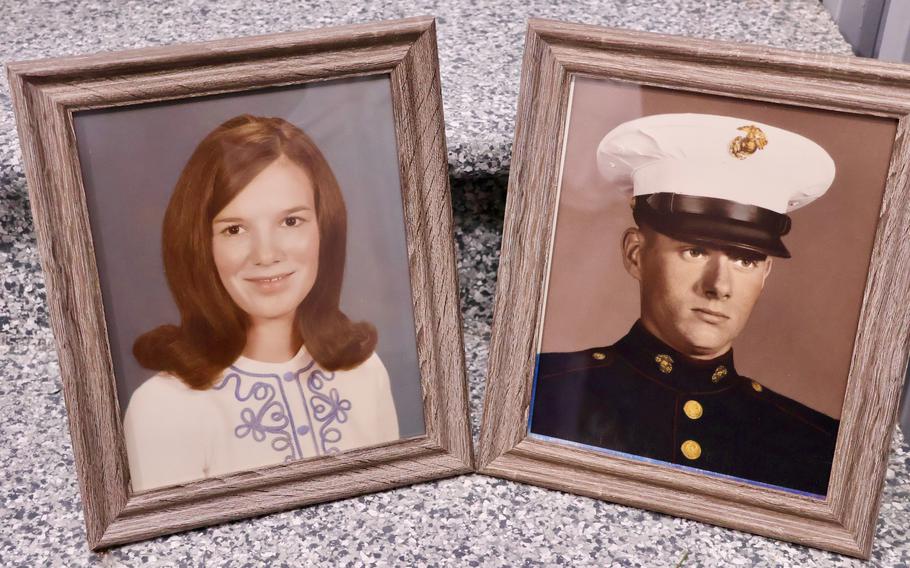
661,362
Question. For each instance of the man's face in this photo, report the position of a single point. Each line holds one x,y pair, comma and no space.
695,298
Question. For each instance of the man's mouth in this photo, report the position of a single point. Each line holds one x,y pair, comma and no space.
710,316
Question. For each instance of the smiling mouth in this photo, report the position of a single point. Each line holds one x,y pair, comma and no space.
270,279
710,316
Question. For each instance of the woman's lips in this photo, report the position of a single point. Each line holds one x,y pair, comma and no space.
710,316
270,283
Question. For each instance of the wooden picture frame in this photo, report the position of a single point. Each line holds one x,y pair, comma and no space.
557,52
47,94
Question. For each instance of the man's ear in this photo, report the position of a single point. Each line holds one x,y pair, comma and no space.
632,242
767,271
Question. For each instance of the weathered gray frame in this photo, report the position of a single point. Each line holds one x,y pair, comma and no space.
554,52
46,93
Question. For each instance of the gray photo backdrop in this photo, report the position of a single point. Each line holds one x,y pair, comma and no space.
131,158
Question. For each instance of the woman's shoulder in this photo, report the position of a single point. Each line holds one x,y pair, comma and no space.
369,391
370,366
168,431
371,370
164,384
165,392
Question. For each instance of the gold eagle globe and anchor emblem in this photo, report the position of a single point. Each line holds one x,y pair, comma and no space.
744,146
664,363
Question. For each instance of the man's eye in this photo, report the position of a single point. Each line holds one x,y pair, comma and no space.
694,253
747,262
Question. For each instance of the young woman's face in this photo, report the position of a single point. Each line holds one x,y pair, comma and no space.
265,242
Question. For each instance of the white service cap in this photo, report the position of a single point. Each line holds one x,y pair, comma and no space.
715,179
723,157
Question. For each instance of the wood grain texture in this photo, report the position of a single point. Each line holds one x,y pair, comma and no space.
423,161
45,96
532,188
555,52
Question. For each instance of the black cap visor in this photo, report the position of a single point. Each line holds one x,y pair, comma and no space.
714,222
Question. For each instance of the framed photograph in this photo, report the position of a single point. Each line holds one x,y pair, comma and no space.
673,202
250,269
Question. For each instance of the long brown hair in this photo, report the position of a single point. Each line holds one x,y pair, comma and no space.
213,329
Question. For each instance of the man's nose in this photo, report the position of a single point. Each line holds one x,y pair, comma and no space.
716,279
266,250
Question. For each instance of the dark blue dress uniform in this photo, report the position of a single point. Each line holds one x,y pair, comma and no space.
641,397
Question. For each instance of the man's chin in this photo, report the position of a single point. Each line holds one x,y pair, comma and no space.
707,344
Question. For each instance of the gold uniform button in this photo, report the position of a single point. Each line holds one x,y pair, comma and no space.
599,356
693,409
757,387
691,449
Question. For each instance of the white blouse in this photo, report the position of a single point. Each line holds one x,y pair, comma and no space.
256,414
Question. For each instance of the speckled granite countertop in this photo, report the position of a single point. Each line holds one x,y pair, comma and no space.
470,520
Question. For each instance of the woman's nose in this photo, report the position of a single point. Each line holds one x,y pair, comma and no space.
266,250
716,279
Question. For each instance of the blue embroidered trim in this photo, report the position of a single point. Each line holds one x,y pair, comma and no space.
273,419
304,430
253,422
328,408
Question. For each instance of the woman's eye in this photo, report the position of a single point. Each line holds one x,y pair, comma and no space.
232,230
292,221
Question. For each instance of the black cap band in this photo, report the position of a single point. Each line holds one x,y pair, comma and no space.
714,221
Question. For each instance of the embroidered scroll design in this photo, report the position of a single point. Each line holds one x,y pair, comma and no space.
329,409
270,420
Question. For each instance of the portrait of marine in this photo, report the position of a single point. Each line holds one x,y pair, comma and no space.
710,198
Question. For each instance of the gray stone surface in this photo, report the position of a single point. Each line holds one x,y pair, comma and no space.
470,520
480,42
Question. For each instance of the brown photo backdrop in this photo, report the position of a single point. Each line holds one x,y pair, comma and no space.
799,339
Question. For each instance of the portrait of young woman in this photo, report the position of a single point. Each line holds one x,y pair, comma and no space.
266,340
263,359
